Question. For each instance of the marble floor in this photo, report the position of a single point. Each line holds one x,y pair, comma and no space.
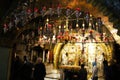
52,74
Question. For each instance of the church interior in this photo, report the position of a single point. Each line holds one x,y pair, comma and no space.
64,33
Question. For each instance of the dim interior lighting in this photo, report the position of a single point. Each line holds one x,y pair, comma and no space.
83,25
96,24
91,15
59,26
47,19
77,25
90,24
54,37
54,29
64,26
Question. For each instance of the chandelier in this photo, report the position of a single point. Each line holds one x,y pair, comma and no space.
71,25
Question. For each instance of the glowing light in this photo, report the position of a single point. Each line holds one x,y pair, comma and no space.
91,48
90,24
83,25
59,26
77,25
47,20
114,31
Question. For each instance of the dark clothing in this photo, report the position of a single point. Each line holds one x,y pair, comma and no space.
95,78
15,69
106,70
40,71
71,75
113,72
82,74
26,71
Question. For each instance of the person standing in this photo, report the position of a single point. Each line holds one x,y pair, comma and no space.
16,68
95,72
26,70
82,73
39,70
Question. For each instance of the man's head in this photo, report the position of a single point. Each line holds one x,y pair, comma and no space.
39,59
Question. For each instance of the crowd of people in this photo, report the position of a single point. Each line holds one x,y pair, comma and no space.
26,70
110,72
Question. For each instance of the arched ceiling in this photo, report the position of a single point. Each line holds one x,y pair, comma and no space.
98,8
